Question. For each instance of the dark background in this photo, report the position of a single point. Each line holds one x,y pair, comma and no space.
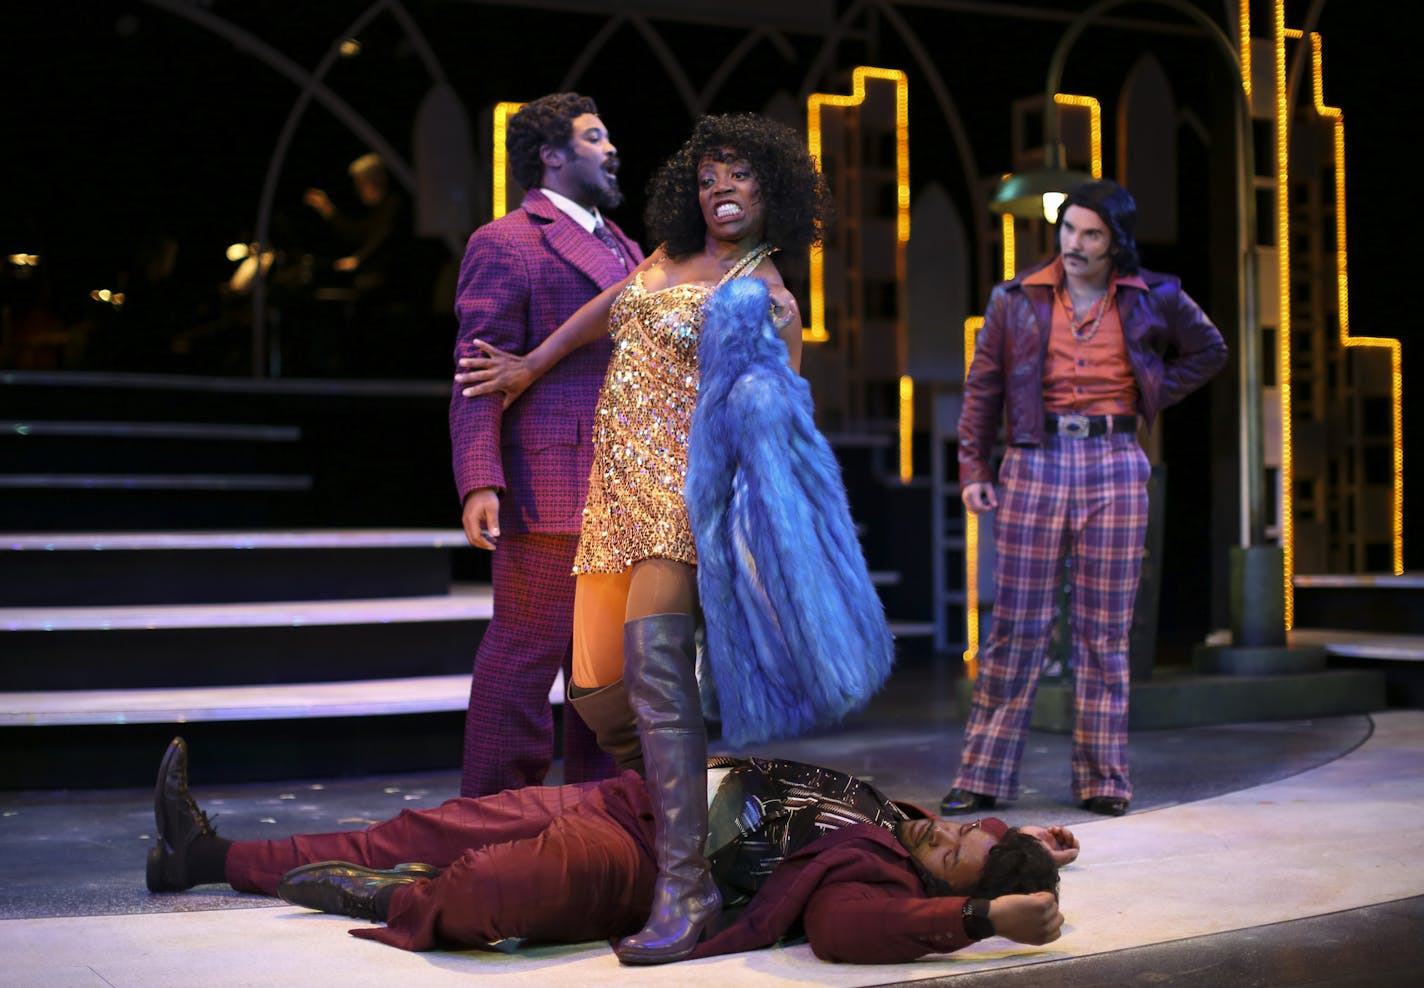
122,121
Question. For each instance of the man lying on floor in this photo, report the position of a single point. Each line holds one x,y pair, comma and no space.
796,850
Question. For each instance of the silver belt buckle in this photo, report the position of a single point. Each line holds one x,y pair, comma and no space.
1073,425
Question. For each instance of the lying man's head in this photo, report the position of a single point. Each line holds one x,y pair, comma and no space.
981,860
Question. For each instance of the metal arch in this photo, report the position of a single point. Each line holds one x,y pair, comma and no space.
590,51
312,88
665,56
829,45
669,62
274,171
1093,14
739,54
246,41
1252,496
947,108
419,41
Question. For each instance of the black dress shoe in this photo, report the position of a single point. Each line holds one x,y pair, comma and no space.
348,889
963,801
179,823
1106,805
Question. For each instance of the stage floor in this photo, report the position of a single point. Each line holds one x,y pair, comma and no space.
1283,853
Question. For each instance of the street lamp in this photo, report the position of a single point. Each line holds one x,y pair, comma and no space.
1039,193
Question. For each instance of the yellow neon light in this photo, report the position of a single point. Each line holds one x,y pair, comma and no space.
1095,127
1283,332
1342,285
1010,253
816,331
1317,78
907,429
1244,42
499,159
972,325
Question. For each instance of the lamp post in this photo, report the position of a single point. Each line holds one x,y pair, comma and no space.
1257,592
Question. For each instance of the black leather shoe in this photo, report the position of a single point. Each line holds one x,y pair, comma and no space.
347,889
179,823
963,801
1106,805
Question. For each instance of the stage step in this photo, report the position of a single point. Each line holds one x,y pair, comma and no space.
116,568
1399,659
1347,643
188,645
1373,601
912,629
1175,699
257,561
351,647
211,609
248,541
143,452
227,704
463,603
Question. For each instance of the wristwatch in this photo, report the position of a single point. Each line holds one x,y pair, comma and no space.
977,924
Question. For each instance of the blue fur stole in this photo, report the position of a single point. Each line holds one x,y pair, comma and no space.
796,635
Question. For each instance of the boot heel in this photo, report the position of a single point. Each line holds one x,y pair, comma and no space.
153,871
675,928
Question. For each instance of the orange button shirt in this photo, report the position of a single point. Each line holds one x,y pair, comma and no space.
1091,375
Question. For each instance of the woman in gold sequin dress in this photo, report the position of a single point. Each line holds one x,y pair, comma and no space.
740,189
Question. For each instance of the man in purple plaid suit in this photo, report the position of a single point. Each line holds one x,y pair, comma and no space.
1074,354
522,471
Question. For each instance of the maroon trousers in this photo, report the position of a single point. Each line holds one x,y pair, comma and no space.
565,863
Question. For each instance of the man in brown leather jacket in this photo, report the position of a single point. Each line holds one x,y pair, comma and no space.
1074,356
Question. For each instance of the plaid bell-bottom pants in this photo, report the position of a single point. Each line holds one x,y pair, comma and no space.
1086,500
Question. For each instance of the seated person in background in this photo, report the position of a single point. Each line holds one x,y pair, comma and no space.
378,235
362,325
796,850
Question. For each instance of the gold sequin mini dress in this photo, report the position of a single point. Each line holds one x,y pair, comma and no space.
635,508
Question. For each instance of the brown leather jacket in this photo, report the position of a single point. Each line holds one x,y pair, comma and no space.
1172,346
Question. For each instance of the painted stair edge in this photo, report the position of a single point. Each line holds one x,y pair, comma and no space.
284,701
465,602
208,540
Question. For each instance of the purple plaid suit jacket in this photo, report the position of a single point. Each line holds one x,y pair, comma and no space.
522,276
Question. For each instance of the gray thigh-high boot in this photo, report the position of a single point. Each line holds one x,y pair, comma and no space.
606,711
659,660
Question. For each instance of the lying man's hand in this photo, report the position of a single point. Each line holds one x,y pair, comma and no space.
1059,841
1031,919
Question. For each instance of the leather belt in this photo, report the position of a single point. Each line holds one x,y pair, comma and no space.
1086,426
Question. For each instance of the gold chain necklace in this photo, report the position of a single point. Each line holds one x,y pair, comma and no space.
1075,329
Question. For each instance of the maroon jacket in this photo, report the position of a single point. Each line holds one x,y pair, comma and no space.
522,276
860,901
1006,376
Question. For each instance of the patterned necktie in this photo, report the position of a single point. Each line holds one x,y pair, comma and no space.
602,232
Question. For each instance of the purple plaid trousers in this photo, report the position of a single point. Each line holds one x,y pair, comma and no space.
509,727
1079,498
